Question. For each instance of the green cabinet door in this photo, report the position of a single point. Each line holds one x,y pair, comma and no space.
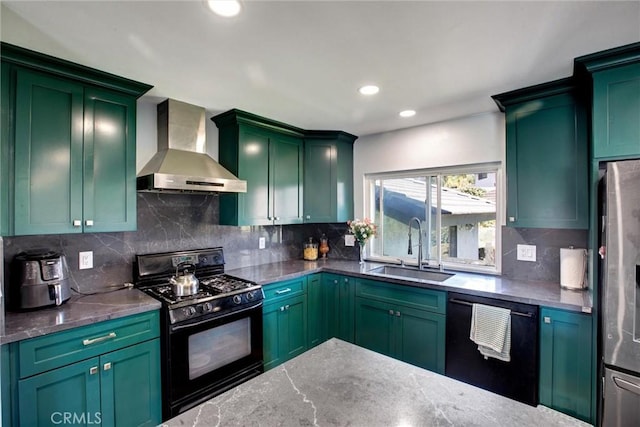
375,326
341,303
328,176
284,330
130,386
317,310
616,112
565,362
420,338
72,391
48,154
254,206
6,130
286,168
109,197
547,163
320,163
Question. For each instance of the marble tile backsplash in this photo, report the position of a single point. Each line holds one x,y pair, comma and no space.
170,222
548,242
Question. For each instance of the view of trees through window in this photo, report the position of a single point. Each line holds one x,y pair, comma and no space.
457,212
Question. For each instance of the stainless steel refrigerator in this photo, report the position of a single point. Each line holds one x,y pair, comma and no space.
621,295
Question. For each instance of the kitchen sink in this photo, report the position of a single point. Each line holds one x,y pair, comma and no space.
411,273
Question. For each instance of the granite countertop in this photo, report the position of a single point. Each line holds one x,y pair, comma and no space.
338,383
536,293
80,310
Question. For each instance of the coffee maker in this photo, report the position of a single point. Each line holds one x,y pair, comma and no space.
41,279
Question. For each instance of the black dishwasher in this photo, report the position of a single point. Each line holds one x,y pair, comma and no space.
516,379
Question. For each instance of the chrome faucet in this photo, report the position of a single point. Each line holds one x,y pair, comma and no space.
410,249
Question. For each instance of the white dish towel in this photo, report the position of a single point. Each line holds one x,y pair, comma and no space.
491,330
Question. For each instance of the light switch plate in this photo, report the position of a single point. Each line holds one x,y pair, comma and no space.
526,253
349,240
85,260
262,243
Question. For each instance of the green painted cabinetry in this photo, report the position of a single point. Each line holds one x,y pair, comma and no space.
566,362
317,310
284,321
269,156
107,373
328,176
70,163
402,322
546,156
614,77
341,299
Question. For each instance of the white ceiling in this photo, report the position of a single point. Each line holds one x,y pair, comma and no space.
301,62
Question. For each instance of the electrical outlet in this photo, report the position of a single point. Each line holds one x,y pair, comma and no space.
85,260
349,240
526,253
262,243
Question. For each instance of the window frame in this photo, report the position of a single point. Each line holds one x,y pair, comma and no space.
438,172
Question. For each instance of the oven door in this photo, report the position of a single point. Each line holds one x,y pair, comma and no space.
210,356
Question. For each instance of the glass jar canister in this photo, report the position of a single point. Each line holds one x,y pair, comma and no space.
324,246
310,250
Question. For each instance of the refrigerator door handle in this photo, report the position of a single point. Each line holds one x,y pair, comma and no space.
626,385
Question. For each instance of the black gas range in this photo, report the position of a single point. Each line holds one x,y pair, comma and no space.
211,339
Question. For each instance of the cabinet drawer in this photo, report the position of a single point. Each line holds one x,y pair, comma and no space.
41,354
422,299
277,291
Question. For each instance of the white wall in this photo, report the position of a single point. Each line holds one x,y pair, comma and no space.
474,139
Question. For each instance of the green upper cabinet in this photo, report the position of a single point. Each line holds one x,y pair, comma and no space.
546,154
566,362
69,140
269,156
615,76
328,176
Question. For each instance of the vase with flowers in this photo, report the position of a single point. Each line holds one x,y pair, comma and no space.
362,230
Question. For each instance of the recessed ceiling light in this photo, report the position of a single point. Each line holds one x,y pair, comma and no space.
226,8
407,113
369,90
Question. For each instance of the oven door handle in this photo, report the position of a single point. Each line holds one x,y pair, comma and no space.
191,325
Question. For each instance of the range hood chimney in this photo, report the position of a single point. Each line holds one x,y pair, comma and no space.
181,163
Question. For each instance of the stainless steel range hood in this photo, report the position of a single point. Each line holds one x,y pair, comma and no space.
181,163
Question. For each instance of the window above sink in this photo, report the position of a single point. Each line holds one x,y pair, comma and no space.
459,213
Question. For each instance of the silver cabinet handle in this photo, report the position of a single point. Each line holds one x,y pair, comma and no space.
286,307
93,370
512,219
391,312
89,341
277,218
307,216
346,280
626,385
335,281
77,223
89,223
283,291
546,319
282,308
107,366
397,313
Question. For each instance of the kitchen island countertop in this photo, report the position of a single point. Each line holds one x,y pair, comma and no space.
537,293
80,310
338,383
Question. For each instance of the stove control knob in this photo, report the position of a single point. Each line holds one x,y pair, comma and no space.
206,307
189,311
251,295
237,299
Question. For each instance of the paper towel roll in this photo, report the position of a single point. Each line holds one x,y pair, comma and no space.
573,268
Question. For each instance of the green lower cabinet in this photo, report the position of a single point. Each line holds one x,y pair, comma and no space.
285,330
317,297
407,334
341,299
565,362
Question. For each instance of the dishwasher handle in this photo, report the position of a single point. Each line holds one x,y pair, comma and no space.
461,302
